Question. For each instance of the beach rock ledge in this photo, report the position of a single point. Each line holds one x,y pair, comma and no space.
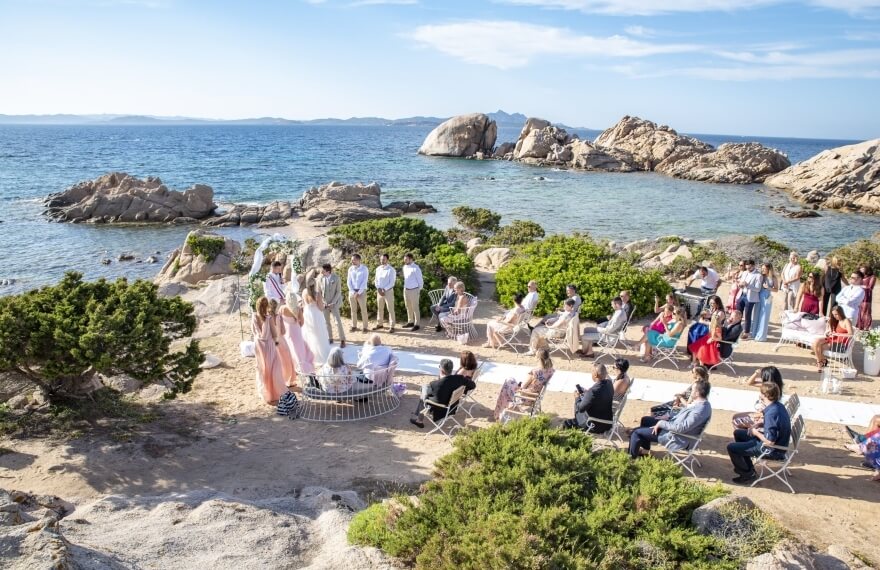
462,136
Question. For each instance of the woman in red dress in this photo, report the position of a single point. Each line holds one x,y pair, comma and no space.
837,336
865,319
705,349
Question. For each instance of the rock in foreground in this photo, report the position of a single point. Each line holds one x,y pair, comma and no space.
732,163
119,198
846,177
462,136
203,256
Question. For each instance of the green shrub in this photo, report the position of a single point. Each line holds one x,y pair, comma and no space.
518,232
60,333
409,234
208,247
598,274
526,495
478,220
747,532
854,254
681,266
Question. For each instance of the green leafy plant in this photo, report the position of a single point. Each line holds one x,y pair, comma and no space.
255,288
55,335
518,232
598,274
480,220
860,252
410,234
208,247
526,495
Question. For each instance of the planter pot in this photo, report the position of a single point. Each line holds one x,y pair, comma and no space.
872,362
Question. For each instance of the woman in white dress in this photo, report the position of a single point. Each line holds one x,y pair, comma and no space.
314,327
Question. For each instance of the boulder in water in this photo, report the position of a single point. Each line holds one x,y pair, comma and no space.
731,163
337,203
650,144
462,136
189,265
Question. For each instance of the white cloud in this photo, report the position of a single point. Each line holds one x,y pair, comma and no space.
359,3
649,7
640,31
506,44
854,7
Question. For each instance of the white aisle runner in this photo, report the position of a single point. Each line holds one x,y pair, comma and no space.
730,399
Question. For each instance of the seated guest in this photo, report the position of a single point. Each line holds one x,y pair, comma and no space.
626,305
594,402
689,421
621,381
467,364
335,376
730,333
447,300
869,446
613,326
809,298
571,294
556,329
850,297
514,393
758,378
669,339
706,350
440,391
752,442
374,356
838,335
664,316
668,410
856,437
504,323
530,301
460,301
670,301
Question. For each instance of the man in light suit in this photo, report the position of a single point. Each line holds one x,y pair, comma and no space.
690,421
331,291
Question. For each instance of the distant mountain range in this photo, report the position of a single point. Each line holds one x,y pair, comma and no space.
500,117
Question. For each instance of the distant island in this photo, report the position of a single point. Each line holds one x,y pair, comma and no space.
501,118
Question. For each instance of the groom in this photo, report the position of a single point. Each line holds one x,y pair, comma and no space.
331,291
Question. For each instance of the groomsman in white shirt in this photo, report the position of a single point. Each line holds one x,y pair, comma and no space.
384,279
273,287
412,288
358,274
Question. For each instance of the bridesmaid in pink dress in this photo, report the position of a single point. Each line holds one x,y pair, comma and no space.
291,316
288,371
270,378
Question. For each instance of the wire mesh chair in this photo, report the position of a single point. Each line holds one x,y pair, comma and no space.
460,326
434,295
348,397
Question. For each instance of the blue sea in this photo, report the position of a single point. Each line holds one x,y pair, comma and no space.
263,163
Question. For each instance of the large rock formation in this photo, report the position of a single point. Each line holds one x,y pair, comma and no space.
462,136
587,156
268,216
184,265
117,197
338,203
731,163
650,144
538,143
846,177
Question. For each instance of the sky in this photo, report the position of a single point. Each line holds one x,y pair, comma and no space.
791,68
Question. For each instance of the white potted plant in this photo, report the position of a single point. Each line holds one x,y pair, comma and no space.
871,342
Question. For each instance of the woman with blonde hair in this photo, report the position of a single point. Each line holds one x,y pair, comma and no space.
769,285
270,375
514,393
292,321
314,328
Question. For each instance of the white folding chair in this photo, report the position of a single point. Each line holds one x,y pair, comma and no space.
793,405
527,405
728,361
840,360
781,472
468,401
434,295
687,457
607,345
669,354
556,343
617,407
623,341
509,336
451,408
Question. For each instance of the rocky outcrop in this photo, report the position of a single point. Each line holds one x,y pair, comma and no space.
462,136
538,143
731,163
493,258
337,203
119,198
796,214
587,156
30,538
846,177
268,216
650,144
417,207
505,151
184,265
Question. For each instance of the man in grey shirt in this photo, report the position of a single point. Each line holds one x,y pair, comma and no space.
689,421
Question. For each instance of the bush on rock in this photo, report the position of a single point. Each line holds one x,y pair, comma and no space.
209,247
598,273
57,334
479,220
863,251
526,495
518,232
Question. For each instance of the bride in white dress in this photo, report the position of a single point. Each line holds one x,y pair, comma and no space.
314,326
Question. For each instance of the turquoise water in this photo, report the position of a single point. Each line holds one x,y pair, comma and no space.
264,163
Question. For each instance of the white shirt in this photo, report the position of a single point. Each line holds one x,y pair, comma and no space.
385,277
412,276
374,358
273,288
789,273
849,299
357,278
530,301
710,281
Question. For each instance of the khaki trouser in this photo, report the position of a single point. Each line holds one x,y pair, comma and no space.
334,312
411,300
381,303
356,302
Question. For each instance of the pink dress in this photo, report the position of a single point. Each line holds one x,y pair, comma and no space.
288,371
270,378
301,355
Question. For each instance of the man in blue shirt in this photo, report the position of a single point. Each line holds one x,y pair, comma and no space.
752,442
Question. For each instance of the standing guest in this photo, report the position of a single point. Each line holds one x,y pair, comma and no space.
273,287
833,283
571,295
314,327
358,275
330,288
374,356
504,323
292,317
270,376
850,297
288,368
558,328
514,393
769,285
735,275
440,391
530,301
865,319
690,421
384,280
809,298
753,442
709,279
750,284
412,288
447,300
593,402
790,283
